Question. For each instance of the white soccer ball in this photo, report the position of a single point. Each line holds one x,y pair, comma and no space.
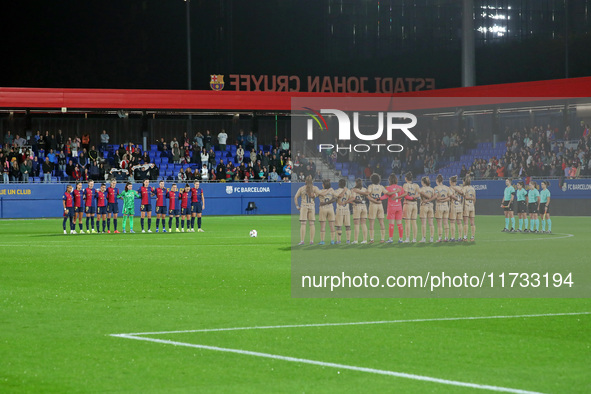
253,233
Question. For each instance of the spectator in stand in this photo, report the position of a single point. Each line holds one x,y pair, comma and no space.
25,169
212,162
176,154
5,170
284,146
204,158
85,144
166,153
174,143
186,142
240,154
75,146
19,141
41,146
59,141
47,170
241,140
146,158
104,141
35,166
160,145
273,176
94,171
230,171
77,173
220,171
93,154
276,143
251,141
8,138
82,160
189,174
222,138
15,172
207,140
198,139
181,177
211,174
204,172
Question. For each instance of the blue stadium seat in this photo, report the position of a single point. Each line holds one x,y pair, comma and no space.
153,148
164,159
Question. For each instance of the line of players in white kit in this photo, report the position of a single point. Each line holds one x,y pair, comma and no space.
452,206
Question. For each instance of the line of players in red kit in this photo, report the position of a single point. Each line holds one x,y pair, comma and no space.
185,204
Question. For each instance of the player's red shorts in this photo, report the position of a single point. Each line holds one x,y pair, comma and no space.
395,215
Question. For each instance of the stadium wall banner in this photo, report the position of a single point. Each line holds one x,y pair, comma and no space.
45,200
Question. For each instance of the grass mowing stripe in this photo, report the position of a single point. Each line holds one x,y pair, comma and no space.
335,365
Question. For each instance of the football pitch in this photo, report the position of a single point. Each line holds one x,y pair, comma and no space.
213,312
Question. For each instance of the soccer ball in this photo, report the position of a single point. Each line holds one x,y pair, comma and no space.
253,233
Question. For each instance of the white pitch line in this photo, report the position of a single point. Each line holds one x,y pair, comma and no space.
357,323
334,365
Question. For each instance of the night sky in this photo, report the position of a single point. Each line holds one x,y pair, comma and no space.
142,44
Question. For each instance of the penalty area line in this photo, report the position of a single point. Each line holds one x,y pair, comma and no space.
436,319
333,365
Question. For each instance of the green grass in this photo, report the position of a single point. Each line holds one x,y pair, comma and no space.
61,296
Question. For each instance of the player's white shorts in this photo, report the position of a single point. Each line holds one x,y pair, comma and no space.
410,210
442,211
307,212
342,217
469,211
359,211
427,211
376,211
326,213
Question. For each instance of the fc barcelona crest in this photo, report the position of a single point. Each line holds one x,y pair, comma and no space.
216,82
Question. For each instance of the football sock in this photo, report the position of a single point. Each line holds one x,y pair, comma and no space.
131,223
513,222
549,224
177,222
87,222
543,225
391,230
520,224
104,225
72,224
192,222
157,223
525,221
142,222
400,231
507,223
124,221
164,223
537,224
92,222
109,224
532,224
182,224
149,223
115,224
198,222
64,224
79,225
170,222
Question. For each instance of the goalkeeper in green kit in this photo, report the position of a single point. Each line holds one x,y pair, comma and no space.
128,196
